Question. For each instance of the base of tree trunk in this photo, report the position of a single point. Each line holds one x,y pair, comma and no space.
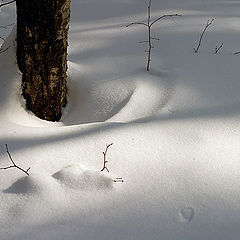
42,31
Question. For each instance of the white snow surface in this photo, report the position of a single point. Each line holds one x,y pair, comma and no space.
175,130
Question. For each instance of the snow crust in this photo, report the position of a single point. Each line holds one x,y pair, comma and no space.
175,130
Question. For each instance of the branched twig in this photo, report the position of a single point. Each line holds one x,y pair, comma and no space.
217,48
118,179
200,39
149,24
105,157
13,163
4,4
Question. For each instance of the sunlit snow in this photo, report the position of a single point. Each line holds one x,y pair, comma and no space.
175,130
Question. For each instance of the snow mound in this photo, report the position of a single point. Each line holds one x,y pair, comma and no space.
119,100
18,114
75,177
115,100
151,94
97,102
33,184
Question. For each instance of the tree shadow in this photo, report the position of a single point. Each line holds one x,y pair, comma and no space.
220,112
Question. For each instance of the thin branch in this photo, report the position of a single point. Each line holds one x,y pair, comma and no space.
4,4
218,48
105,157
166,15
143,41
149,24
13,163
153,38
204,30
149,13
6,26
137,23
4,50
237,53
149,35
118,179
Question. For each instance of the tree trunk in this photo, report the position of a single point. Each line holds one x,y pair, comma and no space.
42,30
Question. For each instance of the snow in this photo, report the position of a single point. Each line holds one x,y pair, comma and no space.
175,130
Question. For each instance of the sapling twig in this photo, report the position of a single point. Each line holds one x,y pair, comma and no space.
118,179
13,163
105,157
201,36
217,48
149,25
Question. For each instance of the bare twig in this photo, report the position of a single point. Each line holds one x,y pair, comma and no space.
153,38
143,41
217,48
136,23
237,53
4,50
119,179
166,15
149,24
13,163
6,26
7,3
200,39
105,157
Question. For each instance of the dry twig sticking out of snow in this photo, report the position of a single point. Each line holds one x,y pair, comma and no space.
118,179
149,25
201,36
14,164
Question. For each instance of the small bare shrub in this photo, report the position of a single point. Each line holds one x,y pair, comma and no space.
149,25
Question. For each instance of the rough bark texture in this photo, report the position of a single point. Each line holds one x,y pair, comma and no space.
42,30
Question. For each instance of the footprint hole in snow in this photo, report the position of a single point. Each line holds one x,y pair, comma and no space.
187,214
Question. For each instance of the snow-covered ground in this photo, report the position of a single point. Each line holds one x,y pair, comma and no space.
175,130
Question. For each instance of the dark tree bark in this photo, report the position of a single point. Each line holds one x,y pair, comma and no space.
42,30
